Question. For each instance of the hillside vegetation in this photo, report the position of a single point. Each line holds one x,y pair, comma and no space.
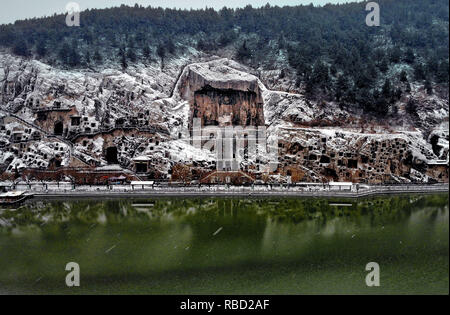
328,51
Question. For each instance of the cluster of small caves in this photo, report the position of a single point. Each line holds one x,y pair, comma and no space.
121,145
61,136
314,156
47,142
439,140
68,123
17,133
25,143
303,155
148,153
35,157
128,141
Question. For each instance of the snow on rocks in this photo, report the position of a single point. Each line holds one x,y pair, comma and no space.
146,111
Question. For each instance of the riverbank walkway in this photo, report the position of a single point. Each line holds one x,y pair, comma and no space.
67,189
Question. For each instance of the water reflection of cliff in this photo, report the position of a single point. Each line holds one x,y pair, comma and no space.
232,211
136,238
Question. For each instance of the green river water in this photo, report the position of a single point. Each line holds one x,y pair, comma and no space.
227,245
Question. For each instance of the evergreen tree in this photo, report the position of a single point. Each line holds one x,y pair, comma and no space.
432,65
302,69
428,87
131,55
41,48
386,91
63,53
98,57
333,70
383,65
442,73
87,57
411,107
403,76
365,99
419,72
396,54
341,87
243,52
73,58
170,47
161,52
309,87
206,45
21,48
372,72
363,80
226,38
381,106
409,56
320,74
398,93
123,58
281,41
146,52
408,88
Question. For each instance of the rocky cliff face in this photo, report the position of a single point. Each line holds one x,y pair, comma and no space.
54,118
321,154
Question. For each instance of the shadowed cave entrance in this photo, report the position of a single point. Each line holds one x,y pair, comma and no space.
111,155
58,128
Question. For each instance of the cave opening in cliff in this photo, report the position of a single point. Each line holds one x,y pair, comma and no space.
58,128
141,167
54,162
324,159
434,140
329,172
352,163
111,155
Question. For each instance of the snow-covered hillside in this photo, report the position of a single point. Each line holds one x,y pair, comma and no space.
52,117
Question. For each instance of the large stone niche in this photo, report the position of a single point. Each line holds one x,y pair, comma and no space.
219,107
221,94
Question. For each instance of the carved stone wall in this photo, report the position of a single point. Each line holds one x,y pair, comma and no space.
308,155
227,107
